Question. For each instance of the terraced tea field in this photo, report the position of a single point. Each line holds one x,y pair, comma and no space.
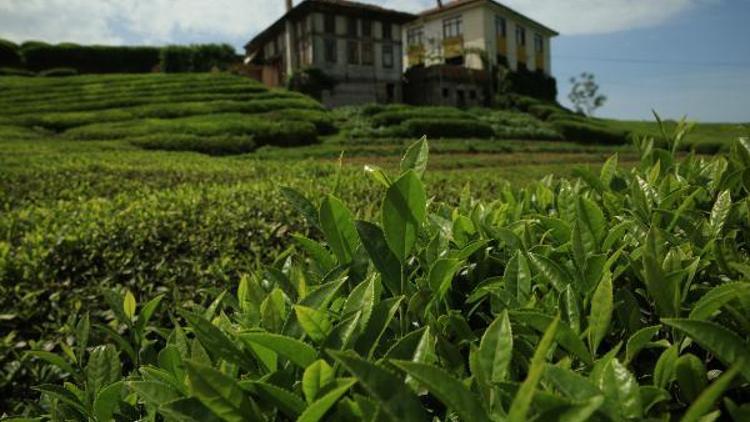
147,245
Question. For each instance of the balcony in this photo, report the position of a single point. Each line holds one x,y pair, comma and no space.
453,47
502,45
415,55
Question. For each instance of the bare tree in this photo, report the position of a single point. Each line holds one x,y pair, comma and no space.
585,94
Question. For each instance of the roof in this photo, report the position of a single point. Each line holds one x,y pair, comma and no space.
342,7
460,3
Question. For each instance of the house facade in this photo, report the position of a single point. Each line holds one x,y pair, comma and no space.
358,45
443,56
477,34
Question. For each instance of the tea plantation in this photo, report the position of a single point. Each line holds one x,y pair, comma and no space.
144,278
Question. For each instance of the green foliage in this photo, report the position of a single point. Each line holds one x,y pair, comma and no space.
9,54
311,81
470,310
207,113
58,72
588,132
89,59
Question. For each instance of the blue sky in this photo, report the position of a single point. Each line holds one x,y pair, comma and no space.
679,57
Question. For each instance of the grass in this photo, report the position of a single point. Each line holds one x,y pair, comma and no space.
713,134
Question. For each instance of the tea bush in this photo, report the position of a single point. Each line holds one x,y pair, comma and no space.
212,145
620,295
134,106
590,132
447,128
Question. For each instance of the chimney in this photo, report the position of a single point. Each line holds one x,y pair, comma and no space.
289,5
440,4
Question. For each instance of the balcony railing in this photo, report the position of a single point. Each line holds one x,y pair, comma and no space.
453,47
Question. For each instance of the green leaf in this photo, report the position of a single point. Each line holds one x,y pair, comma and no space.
102,369
53,359
302,205
315,322
447,389
519,408
317,252
566,337
154,392
621,390
705,402
220,393
292,349
415,157
404,212
378,174
318,409
551,273
518,278
108,401
147,312
382,315
337,223
316,377
723,343
128,305
362,299
601,313
580,412
384,260
216,342
571,384
287,402
662,289
691,376
441,275
664,371
496,350
592,224
64,396
397,401
608,171
188,410
638,341
717,297
719,213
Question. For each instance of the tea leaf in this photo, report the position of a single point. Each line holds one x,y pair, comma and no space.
403,214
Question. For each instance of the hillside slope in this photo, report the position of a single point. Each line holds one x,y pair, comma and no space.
213,113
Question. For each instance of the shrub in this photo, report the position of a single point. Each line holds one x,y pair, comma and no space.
323,121
396,117
544,111
532,84
447,128
9,54
10,71
59,72
90,59
568,297
211,145
311,81
590,133
196,58
176,59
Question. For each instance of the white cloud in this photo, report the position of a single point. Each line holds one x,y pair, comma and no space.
165,21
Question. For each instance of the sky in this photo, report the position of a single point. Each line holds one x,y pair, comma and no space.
678,57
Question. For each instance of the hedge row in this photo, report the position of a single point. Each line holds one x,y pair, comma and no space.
590,133
211,145
396,117
39,57
447,128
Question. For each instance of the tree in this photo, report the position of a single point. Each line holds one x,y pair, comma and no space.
585,94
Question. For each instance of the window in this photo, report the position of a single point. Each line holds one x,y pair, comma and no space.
453,27
368,53
414,36
387,56
367,28
501,26
472,95
329,24
351,27
330,50
520,35
352,52
387,31
538,43
446,92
